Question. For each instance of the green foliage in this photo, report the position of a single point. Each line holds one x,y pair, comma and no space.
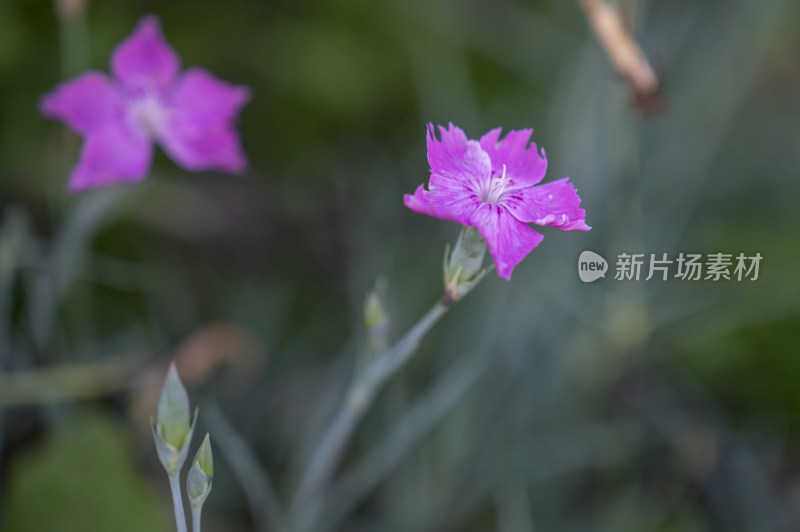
82,478
335,134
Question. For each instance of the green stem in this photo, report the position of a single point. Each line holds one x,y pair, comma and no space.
177,502
462,273
73,33
196,519
387,365
359,397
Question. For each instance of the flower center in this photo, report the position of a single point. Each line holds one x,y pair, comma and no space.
497,186
148,114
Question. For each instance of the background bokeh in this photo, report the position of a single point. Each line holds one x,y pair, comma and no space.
538,404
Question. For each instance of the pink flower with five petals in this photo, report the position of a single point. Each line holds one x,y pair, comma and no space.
148,99
491,185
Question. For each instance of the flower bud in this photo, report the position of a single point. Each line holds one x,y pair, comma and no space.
463,267
198,481
173,425
376,318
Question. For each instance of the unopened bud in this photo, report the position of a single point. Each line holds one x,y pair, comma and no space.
463,267
198,481
376,318
173,425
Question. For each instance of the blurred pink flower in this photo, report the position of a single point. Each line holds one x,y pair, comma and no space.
190,114
489,184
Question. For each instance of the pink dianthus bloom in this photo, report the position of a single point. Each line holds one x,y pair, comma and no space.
148,99
490,185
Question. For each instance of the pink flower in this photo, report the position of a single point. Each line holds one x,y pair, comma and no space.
190,114
490,184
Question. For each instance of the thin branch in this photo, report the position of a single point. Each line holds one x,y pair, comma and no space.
71,381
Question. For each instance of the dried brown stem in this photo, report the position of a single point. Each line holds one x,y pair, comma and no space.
624,52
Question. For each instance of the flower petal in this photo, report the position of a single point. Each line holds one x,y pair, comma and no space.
508,239
202,148
420,202
446,200
458,158
145,61
199,133
84,103
111,154
556,204
525,166
206,100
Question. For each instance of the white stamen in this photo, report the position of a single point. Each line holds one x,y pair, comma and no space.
148,115
497,187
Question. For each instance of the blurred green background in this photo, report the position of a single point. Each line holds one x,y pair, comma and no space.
540,404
